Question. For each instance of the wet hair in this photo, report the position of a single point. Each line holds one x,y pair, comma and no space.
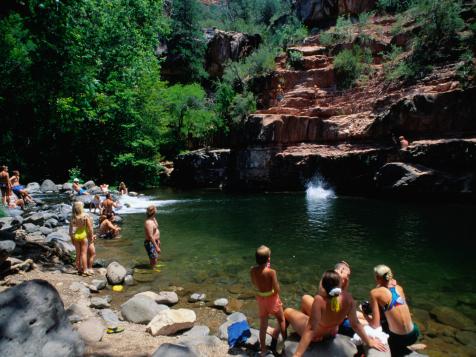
15,173
262,255
108,195
109,215
3,168
330,280
122,185
151,211
384,272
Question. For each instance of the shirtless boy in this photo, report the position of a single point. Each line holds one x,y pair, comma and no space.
266,282
5,185
108,205
152,236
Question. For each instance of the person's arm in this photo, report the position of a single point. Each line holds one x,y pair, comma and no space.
374,320
89,228
310,329
276,286
71,228
359,329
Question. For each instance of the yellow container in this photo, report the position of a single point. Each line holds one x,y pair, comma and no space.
118,288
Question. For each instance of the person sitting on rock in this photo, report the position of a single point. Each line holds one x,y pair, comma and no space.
123,189
81,233
343,269
108,230
330,307
78,189
5,185
389,297
108,205
403,142
95,203
19,189
266,282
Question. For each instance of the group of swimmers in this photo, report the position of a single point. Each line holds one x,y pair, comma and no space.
13,193
333,309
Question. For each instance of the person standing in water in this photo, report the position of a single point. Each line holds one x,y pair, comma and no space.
152,236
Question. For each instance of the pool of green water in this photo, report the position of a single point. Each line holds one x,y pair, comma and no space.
208,239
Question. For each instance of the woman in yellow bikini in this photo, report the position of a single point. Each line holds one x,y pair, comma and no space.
81,233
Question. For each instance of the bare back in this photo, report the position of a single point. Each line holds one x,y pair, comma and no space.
398,317
264,279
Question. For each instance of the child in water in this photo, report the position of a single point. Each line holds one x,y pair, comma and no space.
266,282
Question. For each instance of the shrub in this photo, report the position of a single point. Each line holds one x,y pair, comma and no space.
466,71
295,59
74,172
394,6
340,33
350,65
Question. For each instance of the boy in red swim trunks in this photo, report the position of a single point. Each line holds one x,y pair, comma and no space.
266,282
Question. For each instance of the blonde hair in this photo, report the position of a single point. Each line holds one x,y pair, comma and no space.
384,272
78,211
262,255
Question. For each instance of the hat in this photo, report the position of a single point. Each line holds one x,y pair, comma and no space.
76,180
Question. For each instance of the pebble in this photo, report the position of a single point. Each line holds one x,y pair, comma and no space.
197,297
220,303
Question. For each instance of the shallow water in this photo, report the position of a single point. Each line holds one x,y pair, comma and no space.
208,241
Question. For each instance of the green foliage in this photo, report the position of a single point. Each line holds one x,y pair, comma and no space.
350,65
74,172
340,33
295,59
394,6
466,71
186,43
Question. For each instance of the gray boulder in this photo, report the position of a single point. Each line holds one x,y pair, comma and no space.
48,186
109,317
67,186
6,249
195,297
340,346
99,284
33,187
91,330
129,280
33,322
99,303
31,228
80,309
89,184
172,350
51,223
46,231
115,273
141,309
60,235
167,298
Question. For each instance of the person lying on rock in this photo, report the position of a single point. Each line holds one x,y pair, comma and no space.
389,297
78,189
330,307
266,282
19,189
108,230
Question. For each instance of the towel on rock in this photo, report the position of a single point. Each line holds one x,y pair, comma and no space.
373,333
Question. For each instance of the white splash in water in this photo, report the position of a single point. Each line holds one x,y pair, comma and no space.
318,190
128,204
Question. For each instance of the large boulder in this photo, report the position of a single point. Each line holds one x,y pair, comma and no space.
340,346
115,273
163,297
33,322
172,350
91,330
225,46
141,309
168,322
33,187
48,186
89,184
317,13
201,168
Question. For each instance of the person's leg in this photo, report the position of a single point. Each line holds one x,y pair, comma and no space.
263,326
77,247
306,304
91,255
83,254
281,324
297,319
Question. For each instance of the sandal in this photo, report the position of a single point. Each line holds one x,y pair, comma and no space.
117,329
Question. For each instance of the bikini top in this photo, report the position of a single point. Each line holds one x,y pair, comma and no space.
396,300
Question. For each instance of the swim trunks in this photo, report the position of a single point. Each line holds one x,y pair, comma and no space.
150,249
17,188
269,305
398,343
80,234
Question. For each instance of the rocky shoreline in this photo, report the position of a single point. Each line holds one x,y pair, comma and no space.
35,247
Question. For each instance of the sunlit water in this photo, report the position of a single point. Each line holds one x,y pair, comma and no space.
209,238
